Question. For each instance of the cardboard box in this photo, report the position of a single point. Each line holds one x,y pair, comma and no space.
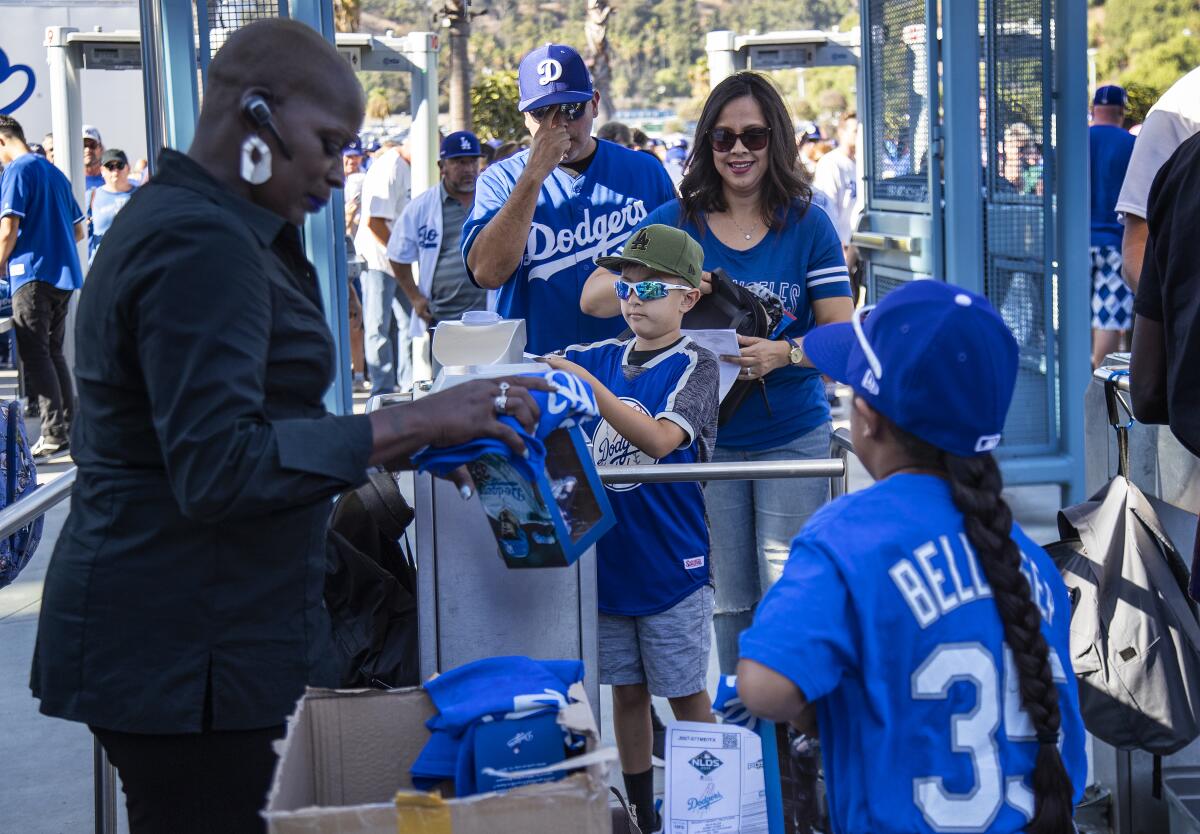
552,521
347,754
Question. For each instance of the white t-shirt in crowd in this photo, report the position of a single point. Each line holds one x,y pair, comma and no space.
836,177
1171,121
385,193
352,191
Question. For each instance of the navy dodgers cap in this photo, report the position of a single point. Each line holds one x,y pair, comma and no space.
460,143
1110,94
553,74
935,359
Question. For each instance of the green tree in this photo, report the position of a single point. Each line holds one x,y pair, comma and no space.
1150,43
494,99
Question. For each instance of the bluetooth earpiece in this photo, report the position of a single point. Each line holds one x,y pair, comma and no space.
256,109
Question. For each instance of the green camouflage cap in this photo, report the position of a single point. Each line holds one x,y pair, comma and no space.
661,248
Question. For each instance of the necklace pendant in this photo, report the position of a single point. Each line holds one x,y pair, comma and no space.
747,237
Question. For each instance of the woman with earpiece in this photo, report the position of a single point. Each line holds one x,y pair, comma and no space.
182,614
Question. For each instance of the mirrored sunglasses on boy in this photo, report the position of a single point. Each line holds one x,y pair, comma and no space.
571,112
647,290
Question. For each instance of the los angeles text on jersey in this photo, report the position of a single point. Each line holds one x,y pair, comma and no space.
943,575
591,238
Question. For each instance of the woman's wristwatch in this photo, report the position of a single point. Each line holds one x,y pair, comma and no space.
796,354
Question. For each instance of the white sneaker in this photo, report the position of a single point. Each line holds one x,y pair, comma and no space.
45,448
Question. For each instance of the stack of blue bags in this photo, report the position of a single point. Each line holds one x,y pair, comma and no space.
486,691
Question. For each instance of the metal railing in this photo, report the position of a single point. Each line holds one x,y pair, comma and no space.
1117,373
835,467
37,503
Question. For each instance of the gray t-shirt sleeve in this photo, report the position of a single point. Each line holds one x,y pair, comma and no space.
693,404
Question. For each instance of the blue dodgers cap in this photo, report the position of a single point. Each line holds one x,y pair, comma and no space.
353,148
937,360
460,143
1110,94
553,74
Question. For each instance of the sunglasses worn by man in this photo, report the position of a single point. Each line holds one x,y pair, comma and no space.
114,166
571,112
723,139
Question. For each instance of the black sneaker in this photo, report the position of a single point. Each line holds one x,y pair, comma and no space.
45,447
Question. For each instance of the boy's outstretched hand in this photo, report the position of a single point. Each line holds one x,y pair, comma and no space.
561,363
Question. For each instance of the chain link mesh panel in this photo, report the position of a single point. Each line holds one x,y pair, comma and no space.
882,284
224,16
899,129
1018,162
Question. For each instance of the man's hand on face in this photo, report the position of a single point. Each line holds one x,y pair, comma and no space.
550,145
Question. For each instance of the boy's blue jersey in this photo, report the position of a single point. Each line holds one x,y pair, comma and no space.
885,621
657,554
577,220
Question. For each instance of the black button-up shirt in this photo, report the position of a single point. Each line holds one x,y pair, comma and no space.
192,563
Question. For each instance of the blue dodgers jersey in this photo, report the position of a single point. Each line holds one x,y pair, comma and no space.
801,263
577,220
657,554
1109,149
884,619
39,194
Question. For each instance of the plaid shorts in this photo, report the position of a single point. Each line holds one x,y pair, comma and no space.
1112,300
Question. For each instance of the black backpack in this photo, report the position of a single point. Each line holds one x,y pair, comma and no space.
371,587
751,310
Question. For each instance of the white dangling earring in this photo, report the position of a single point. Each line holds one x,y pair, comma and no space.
255,172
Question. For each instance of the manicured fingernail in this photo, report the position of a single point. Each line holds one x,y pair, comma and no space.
466,492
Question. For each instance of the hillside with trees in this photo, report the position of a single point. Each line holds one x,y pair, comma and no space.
657,46
658,59
1144,45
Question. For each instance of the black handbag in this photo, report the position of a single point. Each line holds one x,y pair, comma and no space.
371,587
750,310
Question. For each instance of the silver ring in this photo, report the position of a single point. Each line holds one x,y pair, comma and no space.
749,372
501,401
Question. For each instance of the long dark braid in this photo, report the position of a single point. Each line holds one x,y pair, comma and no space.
975,485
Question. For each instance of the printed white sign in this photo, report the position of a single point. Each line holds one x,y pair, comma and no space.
714,780
721,343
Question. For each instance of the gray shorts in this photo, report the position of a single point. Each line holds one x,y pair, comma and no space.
667,651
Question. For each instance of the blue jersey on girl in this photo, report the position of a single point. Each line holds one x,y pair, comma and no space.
885,621
801,263
657,554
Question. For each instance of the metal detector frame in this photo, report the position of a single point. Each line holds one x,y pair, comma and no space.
165,51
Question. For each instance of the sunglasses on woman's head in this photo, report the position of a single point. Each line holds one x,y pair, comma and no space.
571,112
723,139
646,290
